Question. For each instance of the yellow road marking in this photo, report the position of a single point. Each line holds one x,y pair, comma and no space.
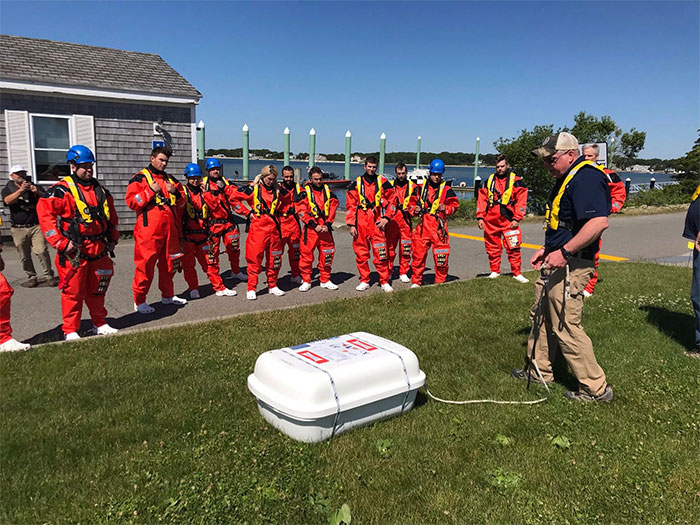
535,246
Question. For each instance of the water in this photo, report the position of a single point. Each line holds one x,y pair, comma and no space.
457,174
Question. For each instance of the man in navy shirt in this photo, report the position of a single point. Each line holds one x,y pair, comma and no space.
692,232
577,215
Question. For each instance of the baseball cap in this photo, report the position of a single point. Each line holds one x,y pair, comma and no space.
16,169
562,141
267,170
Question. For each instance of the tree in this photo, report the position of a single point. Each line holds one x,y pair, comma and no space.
631,144
588,128
689,169
530,168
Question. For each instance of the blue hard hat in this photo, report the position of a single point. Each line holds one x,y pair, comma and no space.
437,166
79,154
213,163
193,170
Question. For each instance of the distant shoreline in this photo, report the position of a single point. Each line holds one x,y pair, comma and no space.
343,162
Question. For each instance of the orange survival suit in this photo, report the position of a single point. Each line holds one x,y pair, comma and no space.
317,207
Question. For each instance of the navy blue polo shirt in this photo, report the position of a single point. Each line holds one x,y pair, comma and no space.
587,196
692,220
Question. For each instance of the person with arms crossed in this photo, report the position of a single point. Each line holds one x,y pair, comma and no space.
399,230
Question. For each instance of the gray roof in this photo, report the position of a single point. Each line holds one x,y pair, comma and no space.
66,64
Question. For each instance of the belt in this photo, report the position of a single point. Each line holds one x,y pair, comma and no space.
24,225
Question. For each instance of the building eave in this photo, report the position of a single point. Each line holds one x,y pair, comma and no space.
96,93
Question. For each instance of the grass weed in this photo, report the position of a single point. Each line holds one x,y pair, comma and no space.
160,427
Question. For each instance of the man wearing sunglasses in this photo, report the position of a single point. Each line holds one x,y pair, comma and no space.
577,215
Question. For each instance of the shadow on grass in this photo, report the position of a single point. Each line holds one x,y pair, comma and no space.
677,325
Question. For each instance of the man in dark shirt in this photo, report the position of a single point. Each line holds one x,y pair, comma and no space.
577,215
692,232
21,196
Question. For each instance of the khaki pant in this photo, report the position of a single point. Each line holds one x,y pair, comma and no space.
31,240
560,327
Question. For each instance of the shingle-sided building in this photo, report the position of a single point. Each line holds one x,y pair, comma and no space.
56,94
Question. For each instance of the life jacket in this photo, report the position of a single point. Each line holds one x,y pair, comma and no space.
506,196
160,201
551,217
696,194
409,192
423,198
363,201
205,181
259,205
192,210
313,207
87,214
297,190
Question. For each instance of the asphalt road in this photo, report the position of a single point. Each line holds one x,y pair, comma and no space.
36,313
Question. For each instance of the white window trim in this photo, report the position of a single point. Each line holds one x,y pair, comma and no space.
69,118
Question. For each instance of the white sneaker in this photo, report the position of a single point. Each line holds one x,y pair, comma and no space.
414,285
329,285
72,336
586,293
105,329
494,275
226,292
297,279
387,288
521,278
276,291
305,287
144,308
251,295
404,278
240,276
194,294
13,345
173,300
362,286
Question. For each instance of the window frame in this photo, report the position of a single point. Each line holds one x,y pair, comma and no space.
32,147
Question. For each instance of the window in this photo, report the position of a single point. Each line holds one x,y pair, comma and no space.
51,141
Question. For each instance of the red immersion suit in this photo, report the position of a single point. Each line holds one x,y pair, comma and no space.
618,195
289,226
96,226
157,231
400,227
6,292
317,207
432,229
369,199
264,238
222,225
500,201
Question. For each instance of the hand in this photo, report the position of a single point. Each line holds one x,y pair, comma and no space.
537,259
33,188
480,223
170,187
381,223
26,185
177,264
697,242
441,207
555,260
220,184
353,231
155,187
324,229
514,225
70,249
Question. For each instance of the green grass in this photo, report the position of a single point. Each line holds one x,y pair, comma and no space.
160,426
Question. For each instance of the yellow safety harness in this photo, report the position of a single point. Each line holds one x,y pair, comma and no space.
191,210
160,201
507,194
409,192
259,205
89,213
364,202
423,198
696,194
314,210
551,218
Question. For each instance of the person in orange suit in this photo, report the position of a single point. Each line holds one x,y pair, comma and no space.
399,231
7,342
157,198
317,206
500,206
289,222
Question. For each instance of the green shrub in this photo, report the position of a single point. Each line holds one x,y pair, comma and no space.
673,194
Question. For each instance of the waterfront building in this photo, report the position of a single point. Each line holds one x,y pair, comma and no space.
118,103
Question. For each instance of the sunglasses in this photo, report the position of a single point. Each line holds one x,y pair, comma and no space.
552,159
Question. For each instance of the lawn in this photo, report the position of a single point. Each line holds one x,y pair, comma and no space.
160,427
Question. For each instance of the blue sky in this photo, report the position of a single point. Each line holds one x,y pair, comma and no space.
446,71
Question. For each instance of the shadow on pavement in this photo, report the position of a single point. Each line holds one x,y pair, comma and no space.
677,325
